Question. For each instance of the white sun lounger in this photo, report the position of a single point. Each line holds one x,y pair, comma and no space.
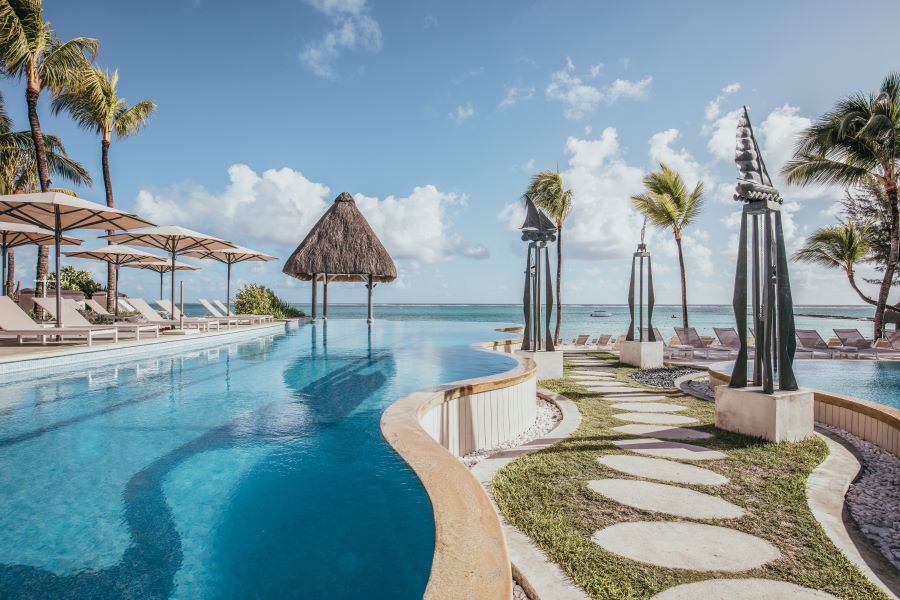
176,314
224,310
15,322
214,313
147,312
71,317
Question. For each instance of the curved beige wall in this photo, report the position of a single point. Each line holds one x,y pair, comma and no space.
872,422
470,555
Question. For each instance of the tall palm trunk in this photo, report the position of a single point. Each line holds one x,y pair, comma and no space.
684,310
10,271
32,93
891,265
107,182
559,264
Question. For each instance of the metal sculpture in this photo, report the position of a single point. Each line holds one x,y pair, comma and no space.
639,256
538,230
772,306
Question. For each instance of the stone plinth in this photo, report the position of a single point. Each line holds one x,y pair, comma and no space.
549,364
643,355
778,417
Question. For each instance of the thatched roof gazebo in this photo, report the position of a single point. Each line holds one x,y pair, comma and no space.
341,246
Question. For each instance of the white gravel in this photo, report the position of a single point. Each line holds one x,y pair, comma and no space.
874,500
548,415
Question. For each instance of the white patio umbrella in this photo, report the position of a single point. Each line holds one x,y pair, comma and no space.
162,267
230,256
172,238
117,256
13,235
61,212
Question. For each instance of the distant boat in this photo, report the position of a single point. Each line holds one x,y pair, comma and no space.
600,313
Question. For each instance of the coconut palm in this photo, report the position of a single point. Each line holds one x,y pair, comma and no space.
30,50
667,204
858,141
18,168
548,192
95,105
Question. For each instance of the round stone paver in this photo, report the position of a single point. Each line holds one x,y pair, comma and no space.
636,397
693,546
665,498
669,449
741,589
610,390
608,383
650,407
662,433
655,418
663,470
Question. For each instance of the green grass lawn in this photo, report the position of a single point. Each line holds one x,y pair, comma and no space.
546,496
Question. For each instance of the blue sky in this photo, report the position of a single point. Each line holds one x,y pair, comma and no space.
434,115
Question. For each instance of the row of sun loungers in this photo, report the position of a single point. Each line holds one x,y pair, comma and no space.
14,322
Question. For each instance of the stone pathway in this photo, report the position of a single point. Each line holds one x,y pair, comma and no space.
675,544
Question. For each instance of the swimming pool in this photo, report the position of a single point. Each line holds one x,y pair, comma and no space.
875,381
255,469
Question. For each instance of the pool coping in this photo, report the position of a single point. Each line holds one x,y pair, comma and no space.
471,558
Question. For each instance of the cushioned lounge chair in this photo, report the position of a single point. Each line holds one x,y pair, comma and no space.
176,314
856,343
151,316
224,310
16,322
98,309
688,336
728,337
811,341
71,317
669,350
215,314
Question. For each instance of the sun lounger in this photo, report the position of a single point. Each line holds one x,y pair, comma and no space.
854,341
728,337
689,337
811,341
200,321
15,322
581,340
98,309
151,316
214,313
224,310
71,317
669,350
602,340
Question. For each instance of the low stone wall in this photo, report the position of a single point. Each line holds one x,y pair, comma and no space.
869,421
471,560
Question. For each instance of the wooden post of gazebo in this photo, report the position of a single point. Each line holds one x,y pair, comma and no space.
315,286
341,246
370,285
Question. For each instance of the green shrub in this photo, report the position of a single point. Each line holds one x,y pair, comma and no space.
75,279
255,299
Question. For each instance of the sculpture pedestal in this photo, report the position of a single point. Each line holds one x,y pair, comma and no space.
644,355
778,417
549,364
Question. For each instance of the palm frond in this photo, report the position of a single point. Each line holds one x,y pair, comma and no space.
548,192
66,61
132,119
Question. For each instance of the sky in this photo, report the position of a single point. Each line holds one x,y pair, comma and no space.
435,114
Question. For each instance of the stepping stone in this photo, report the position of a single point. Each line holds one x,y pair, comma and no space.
592,377
655,418
663,433
693,546
667,499
597,371
741,589
636,397
608,383
669,449
663,470
655,407
611,389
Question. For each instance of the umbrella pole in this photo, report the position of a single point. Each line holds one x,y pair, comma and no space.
228,292
3,281
174,243
325,298
116,292
57,239
370,286
315,285
161,276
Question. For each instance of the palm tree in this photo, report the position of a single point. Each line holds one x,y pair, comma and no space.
548,192
855,142
667,203
96,106
18,168
30,50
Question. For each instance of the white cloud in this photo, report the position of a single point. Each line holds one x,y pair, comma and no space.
526,167
352,28
514,95
681,160
462,113
596,70
580,98
279,207
714,108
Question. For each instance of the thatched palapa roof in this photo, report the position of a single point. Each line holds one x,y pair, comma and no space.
343,245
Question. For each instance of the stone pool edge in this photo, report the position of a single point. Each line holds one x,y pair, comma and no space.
471,558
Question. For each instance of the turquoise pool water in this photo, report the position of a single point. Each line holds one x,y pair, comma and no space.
875,381
252,470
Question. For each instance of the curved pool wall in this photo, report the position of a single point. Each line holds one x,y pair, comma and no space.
873,416
252,469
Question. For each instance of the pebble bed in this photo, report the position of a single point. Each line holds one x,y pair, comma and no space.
548,416
874,500
662,378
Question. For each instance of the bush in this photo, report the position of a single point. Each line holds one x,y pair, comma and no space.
75,279
255,299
